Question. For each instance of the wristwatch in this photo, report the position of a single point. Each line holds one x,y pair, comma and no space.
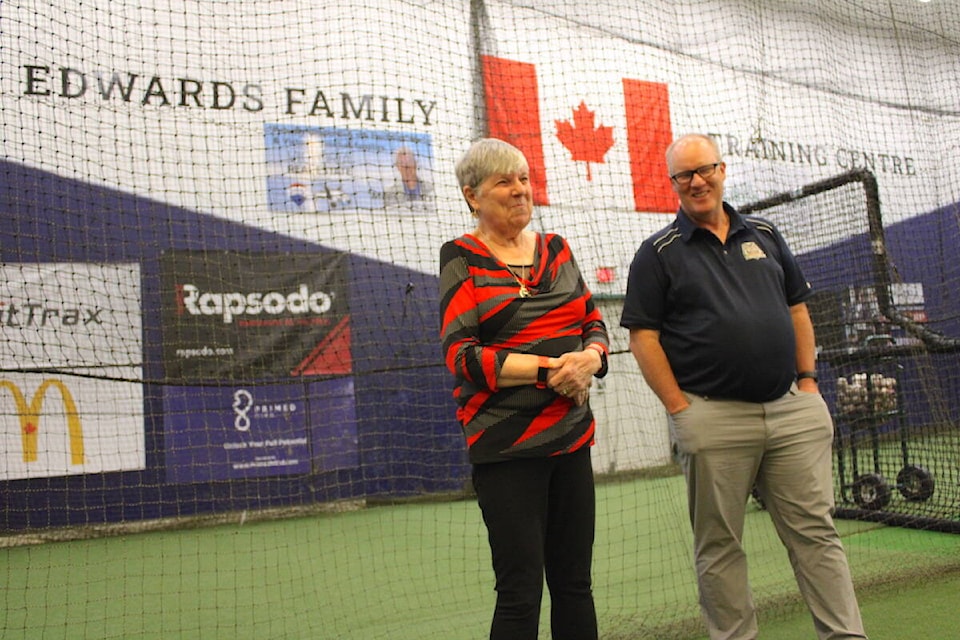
542,372
808,374
603,361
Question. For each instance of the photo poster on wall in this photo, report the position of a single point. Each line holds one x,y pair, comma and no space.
257,348
327,169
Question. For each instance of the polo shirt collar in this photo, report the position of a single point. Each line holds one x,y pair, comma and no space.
686,226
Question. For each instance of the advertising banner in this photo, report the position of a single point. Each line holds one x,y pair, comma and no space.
223,433
259,320
58,321
252,316
57,425
70,315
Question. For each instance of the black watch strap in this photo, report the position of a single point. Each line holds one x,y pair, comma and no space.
603,364
808,374
542,371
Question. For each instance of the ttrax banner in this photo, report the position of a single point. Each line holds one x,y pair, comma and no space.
70,316
247,431
254,316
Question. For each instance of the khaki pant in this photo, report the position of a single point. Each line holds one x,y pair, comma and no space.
785,446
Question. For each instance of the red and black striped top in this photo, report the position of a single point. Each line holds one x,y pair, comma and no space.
483,320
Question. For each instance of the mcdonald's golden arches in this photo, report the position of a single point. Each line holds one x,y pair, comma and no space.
29,414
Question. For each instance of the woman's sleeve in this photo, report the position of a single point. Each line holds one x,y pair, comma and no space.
464,355
594,328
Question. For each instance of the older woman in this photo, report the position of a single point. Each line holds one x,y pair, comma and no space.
523,339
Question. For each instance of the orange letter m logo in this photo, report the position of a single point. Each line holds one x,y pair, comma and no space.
29,414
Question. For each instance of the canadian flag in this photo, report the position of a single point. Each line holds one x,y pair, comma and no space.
513,114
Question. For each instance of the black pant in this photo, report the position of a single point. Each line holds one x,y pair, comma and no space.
540,516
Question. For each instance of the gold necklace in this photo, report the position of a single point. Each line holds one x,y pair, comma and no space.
524,291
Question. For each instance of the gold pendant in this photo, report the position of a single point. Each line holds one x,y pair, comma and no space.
524,292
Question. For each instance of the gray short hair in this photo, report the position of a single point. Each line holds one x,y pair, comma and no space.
486,157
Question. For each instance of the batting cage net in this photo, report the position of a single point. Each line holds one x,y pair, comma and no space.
888,358
221,225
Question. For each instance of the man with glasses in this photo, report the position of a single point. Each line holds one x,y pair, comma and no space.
718,324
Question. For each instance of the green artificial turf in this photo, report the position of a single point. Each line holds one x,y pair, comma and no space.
422,571
915,608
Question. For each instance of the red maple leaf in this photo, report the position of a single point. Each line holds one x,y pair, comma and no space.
585,143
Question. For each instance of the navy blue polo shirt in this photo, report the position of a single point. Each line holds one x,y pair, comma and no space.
722,310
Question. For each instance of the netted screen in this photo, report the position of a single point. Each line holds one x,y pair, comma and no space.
219,235
889,360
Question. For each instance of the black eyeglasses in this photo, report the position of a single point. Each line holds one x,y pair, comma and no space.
686,177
